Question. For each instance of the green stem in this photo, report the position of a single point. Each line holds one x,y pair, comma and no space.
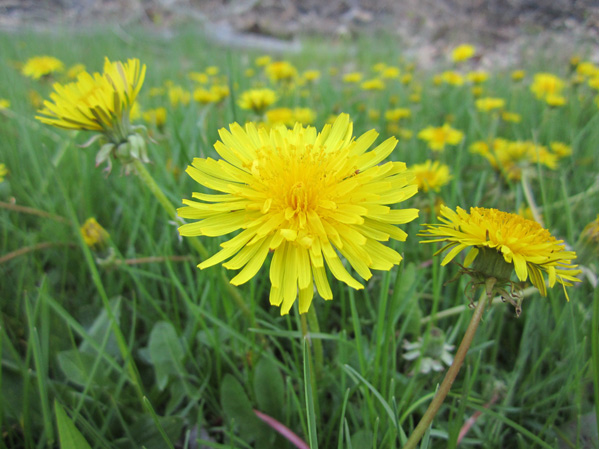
146,177
318,353
304,317
452,373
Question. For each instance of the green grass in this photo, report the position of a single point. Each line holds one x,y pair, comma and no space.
160,355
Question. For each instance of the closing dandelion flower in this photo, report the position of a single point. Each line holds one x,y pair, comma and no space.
3,172
500,243
437,138
257,99
102,103
431,175
463,52
94,235
40,66
307,197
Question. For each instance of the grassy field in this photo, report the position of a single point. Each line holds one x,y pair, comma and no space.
133,346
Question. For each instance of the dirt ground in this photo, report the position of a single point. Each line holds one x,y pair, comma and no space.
504,31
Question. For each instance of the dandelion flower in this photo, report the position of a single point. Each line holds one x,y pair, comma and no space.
518,75
257,99
431,175
156,117
500,243
3,172
395,115
489,104
308,198
94,235
75,70
437,138
373,84
353,77
547,86
280,71
40,66
463,52
4,104
102,103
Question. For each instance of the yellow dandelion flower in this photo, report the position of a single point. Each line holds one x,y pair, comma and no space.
555,100
511,117
40,66
3,172
373,84
587,69
353,77
198,77
431,175
463,52
95,102
406,78
4,104
75,70
390,73
156,117
94,235
546,84
451,77
489,104
280,71
477,77
561,149
379,66
437,138
373,114
212,70
262,61
477,91
518,75
257,99
249,73
178,95
308,198
591,231
102,103
395,115
205,96
500,243
282,116
311,75
305,116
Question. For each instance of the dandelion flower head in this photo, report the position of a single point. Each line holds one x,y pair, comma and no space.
40,66
438,137
506,239
257,99
98,102
308,198
431,175
463,52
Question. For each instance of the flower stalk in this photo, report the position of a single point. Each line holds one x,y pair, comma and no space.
453,370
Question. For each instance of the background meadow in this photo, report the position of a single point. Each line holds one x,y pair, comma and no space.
196,363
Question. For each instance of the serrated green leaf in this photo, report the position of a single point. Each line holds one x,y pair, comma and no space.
68,435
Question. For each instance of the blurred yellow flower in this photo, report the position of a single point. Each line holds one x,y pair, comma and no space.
390,73
354,77
262,61
94,235
518,75
75,70
257,99
305,116
546,86
212,70
511,117
305,197
395,115
489,104
452,78
282,116
373,84
156,117
431,175
477,77
178,95
40,66
3,172
199,77
561,149
311,75
463,52
437,138
4,104
281,71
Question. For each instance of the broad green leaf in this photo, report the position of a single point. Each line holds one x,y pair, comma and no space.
166,352
98,329
269,388
77,365
68,435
